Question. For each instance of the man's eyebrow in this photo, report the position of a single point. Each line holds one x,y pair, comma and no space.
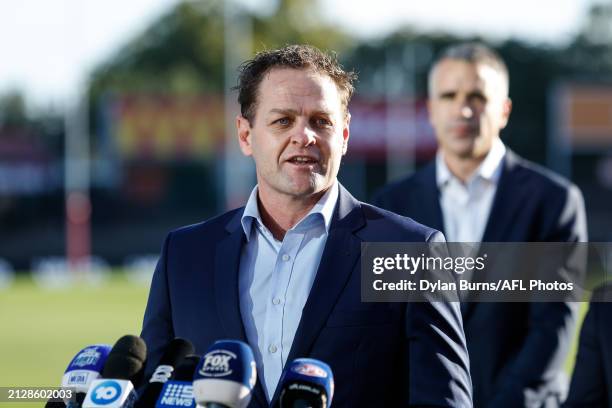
449,92
295,112
284,111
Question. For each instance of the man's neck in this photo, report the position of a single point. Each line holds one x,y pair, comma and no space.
287,211
461,167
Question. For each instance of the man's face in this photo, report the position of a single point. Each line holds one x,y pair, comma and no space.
468,107
299,134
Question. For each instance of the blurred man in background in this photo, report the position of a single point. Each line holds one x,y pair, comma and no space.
283,272
476,190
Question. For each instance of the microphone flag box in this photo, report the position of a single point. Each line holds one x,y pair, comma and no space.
85,367
176,394
110,393
225,375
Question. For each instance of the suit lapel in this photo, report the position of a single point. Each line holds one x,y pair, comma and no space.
507,202
341,252
227,263
428,197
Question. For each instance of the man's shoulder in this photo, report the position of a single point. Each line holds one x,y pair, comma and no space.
537,174
394,195
391,227
423,176
210,228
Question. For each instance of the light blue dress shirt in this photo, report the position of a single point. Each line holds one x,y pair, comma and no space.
275,280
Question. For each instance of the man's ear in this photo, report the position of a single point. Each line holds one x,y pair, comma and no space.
243,127
346,133
507,109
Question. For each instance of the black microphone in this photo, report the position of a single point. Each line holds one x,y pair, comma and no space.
126,360
186,368
53,403
178,391
121,373
175,351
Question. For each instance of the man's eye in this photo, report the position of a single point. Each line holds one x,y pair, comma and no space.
282,121
322,122
477,97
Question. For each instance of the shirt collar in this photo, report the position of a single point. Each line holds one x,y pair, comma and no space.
489,169
324,208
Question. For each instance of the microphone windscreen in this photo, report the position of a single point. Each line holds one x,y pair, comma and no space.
55,404
85,367
306,381
186,368
126,359
175,351
225,375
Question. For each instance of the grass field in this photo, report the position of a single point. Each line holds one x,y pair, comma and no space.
41,329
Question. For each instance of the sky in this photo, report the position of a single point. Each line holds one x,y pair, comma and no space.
47,48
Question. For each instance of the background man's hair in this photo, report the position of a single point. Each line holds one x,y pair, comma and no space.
252,72
473,53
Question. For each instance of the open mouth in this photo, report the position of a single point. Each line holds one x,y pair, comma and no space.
302,161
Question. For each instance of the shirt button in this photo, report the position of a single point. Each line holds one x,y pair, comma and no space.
276,301
286,257
272,349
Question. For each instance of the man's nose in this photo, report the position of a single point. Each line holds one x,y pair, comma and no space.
466,111
303,136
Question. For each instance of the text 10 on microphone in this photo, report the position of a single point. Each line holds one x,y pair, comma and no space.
123,366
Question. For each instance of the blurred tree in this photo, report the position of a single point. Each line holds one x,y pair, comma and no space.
12,109
182,52
590,54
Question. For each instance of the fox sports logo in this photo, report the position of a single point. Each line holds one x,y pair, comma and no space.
217,363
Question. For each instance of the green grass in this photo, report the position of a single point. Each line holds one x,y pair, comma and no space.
42,329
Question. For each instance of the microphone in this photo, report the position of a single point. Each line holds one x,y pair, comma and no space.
178,391
84,368
123,370
306,383
175,351
225,376
54,403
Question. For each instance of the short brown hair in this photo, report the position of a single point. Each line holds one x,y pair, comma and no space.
473,53
251,73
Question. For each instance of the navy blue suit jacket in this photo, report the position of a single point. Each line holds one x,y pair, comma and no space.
591,385
381,354
516,349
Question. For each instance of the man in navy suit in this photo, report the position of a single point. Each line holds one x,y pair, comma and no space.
478,190
283,272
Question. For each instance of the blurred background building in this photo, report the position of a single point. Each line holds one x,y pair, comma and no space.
144,142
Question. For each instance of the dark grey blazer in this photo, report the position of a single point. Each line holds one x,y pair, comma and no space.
515,348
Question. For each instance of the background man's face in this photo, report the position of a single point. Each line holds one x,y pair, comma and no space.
299,132
468,107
